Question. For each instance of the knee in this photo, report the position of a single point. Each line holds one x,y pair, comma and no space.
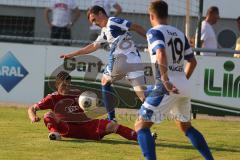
183,126
142,99
140,124
105,82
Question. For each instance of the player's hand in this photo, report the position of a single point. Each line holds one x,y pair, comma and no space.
35,119
170,87
66,56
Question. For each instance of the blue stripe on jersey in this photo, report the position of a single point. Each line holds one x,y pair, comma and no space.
121,21
187,46
128,24
154,101
189,56
155,97
155,35
117,20
159,46
116,31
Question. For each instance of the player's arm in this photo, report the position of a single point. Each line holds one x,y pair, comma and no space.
190,58
46,17
45,103
86,50
190,66
138,29
161,59
32,113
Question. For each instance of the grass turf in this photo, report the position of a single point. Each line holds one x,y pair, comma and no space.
21,140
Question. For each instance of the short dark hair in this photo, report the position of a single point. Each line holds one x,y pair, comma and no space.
62,76
160,8
212,9
238,19
95,10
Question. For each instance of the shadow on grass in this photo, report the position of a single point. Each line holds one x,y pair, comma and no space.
183,146
106,141
158,144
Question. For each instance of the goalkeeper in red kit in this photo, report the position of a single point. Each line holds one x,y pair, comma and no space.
67,119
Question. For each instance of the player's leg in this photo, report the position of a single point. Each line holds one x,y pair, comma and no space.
107,95
121,130
138,86
135,73
114,71
147,115
55,126
145,138
182,115
155,106
96,129
196,138
51,122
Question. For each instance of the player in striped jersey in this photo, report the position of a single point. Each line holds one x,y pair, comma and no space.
170,97
124,59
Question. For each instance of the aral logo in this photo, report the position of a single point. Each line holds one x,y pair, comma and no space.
230,83
11,71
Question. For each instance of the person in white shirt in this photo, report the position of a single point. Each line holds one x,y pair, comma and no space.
64,14
208,36
107,5
173,63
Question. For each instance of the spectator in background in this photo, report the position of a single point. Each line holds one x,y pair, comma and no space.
107,5
64,14
208,36
238,40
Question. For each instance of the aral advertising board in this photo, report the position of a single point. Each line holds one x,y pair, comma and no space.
21,72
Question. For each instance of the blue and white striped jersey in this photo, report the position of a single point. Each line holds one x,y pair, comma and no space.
177,50
117,35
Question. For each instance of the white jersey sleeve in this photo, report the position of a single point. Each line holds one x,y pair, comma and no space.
119,24
155,40
101,39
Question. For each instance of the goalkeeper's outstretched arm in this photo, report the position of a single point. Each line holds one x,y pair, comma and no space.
32,114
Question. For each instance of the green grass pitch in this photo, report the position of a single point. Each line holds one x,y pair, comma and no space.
21,140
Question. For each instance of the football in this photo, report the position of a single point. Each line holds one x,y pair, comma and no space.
88,100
